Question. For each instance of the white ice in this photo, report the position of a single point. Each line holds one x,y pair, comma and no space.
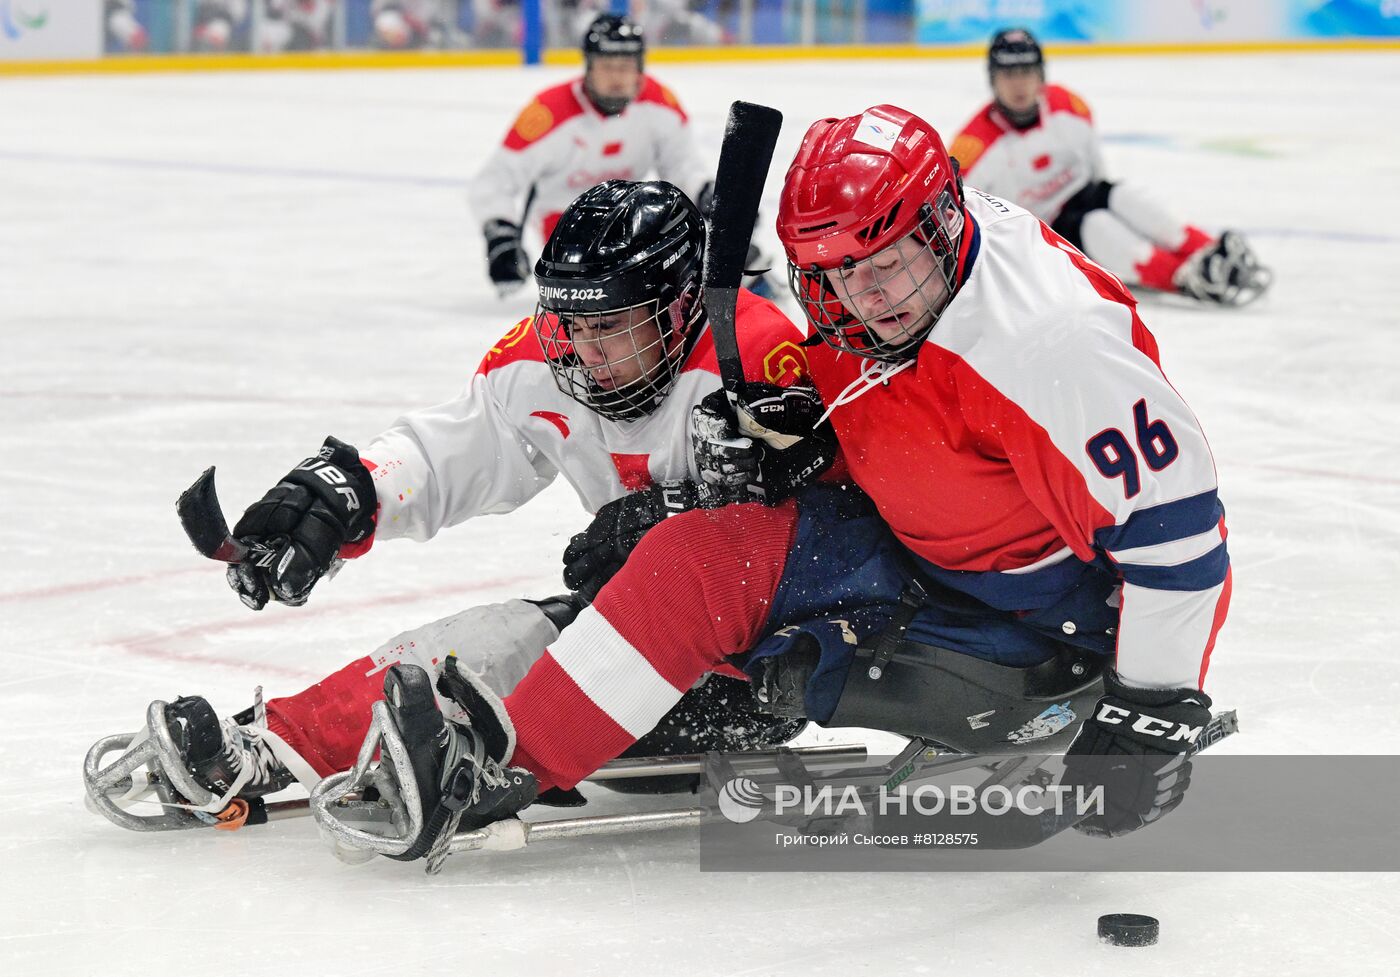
223,269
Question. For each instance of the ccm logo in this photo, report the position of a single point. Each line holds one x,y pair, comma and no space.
1148,725
335,478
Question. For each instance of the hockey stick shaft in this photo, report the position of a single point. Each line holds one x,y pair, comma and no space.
750,136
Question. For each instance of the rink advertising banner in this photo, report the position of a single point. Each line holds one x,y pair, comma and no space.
1241,813
32,30
1162,21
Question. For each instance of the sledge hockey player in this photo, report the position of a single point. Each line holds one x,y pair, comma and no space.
1034,485
597,386
1035,145
616,122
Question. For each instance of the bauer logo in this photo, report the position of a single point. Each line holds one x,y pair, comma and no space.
675,257
740,800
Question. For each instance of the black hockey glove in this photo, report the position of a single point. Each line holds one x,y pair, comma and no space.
300,525
1136,746
773,450
505,258
594,555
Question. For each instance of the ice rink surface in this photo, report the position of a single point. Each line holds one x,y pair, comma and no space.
223,269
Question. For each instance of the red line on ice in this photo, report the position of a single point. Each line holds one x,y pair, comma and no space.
156,645
84,586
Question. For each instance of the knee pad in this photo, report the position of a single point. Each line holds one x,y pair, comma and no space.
494,643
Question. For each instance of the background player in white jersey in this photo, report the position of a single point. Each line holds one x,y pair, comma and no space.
1035,145
1036,487
598,386
616,122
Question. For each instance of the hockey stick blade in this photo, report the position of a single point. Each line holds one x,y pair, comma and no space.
750,136
204,521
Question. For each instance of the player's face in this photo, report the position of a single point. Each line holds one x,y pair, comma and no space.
618,349
897,292
1018,88
615,77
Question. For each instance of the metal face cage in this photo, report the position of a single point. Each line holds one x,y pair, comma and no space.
619,364
881,307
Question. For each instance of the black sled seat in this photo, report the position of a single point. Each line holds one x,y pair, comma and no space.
966,704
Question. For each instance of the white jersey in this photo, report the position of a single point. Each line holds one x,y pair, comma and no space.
561,145
512,432
1038,168
1039,406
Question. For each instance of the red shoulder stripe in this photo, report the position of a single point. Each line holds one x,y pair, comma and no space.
974,139
1063,100
518,345
769,344
550,109
656,93
1104,281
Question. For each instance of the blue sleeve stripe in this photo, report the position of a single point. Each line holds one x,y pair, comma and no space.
1163,523
1202,573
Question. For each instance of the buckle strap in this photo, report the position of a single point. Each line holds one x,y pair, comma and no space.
892,635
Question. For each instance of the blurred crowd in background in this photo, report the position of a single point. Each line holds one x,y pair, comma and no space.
167,26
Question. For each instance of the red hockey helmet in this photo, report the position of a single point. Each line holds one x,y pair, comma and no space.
870,217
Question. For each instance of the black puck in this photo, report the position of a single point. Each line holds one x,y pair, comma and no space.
1128,929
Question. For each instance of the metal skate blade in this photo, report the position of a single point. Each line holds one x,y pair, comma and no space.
390,824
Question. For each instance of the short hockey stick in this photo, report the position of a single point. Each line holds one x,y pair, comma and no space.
750,135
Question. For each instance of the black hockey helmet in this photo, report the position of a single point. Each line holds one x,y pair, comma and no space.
1014,47
619,295
1016,50
611,36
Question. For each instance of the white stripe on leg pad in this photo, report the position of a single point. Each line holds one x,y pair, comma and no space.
616,676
